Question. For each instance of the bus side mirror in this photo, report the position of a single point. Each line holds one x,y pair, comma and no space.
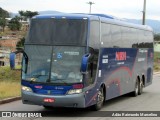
84,63
13,57
12,60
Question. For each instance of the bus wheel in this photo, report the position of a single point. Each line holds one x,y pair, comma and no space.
136,89
100,100
140,88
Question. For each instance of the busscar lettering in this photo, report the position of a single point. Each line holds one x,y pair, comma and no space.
120,56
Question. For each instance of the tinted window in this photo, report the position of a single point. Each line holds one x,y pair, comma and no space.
94,34
40,31
129,37
106,35
116,36
66,64
145,39
58,32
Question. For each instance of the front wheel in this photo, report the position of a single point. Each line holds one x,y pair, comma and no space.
100,100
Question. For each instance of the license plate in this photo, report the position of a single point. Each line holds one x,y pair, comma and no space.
49,100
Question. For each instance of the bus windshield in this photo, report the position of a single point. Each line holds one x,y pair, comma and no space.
58,32
53,64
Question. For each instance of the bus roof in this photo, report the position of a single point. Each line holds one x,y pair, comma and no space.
103,17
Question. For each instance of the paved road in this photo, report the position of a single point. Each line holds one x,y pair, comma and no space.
148,101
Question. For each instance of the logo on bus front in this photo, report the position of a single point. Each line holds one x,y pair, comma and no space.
121,56
48,92
59,55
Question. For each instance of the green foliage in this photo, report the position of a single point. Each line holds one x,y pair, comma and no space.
3,23
20,44
6,74
156,56
156,67
157,61
3,13
9,89
157,37
9,82
27,14
14,24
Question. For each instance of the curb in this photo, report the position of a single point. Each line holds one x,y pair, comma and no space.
9,100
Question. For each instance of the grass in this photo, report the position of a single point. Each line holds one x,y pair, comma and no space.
6,74
157,61
9,89
9,82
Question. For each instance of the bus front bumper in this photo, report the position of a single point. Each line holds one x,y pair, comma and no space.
74,100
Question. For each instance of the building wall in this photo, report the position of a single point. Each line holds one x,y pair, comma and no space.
9,43
6,46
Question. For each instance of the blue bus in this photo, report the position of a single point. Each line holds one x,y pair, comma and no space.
82,60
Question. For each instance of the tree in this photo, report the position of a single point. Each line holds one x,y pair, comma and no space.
20,44
30,14
27,14
3,13
3,23
14,24
157,37
22,15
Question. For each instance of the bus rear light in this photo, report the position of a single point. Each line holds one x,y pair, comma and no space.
49,100
77,86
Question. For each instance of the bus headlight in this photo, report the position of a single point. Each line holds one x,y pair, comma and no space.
25,88
74,91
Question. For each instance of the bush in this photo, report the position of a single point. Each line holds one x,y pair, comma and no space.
6,74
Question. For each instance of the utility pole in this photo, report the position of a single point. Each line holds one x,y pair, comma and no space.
144,13
90,4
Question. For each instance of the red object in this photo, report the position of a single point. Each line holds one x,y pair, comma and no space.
78,86
49,100
121,56
38,87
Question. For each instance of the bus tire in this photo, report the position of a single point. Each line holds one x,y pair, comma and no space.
100,100
140,87
136,89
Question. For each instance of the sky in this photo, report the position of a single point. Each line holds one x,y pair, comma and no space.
119,8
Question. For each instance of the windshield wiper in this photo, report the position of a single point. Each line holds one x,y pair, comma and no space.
37,76
61,80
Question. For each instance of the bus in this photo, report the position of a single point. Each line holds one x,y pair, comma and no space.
82,60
